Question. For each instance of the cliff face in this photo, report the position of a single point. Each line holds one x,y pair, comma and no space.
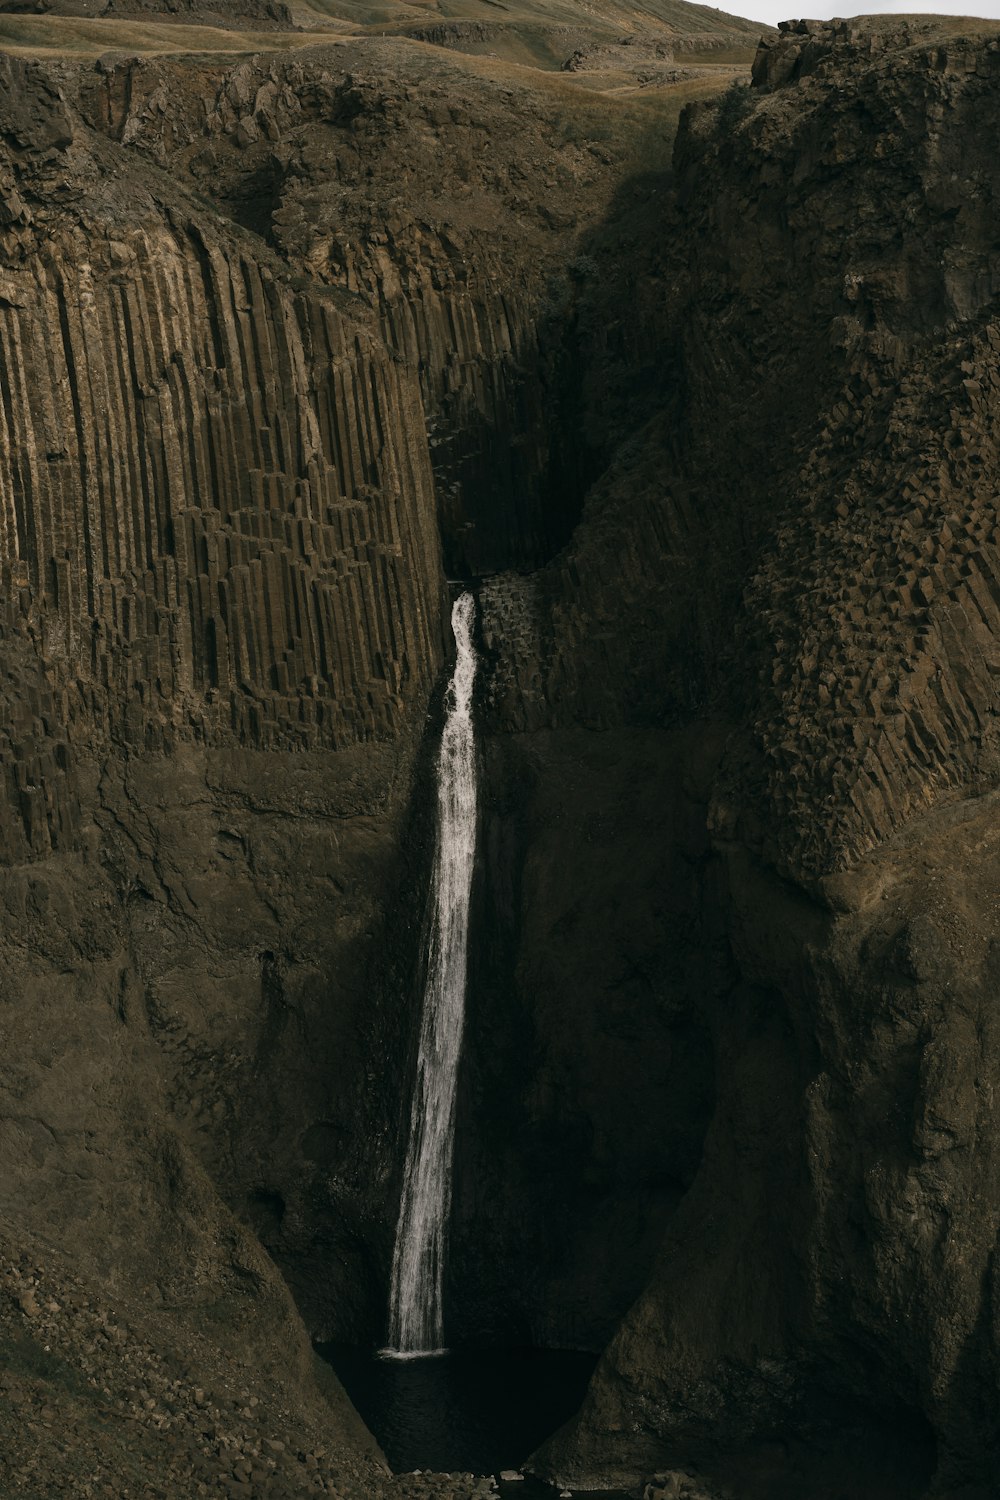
891,511
216,488
244,12
221,574
830,1270
283,341
258,14
380,198
236,299
407,189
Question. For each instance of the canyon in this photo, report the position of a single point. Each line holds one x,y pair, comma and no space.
674,338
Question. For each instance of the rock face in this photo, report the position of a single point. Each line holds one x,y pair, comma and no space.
261,15
441,284
236,299
246,13
474,300
829,1273
285,341
222,574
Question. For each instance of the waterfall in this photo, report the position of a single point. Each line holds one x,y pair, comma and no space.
416,1318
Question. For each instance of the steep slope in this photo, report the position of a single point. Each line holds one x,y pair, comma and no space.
612,45
724,440
234,297
206,516
818,571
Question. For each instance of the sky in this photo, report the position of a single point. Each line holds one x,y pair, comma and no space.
781,10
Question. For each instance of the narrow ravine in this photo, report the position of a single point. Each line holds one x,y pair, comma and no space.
416,1320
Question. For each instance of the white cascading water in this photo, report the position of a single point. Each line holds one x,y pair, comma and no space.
416,1314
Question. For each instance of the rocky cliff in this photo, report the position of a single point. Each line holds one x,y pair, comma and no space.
818,563
287,339
283,337
222,574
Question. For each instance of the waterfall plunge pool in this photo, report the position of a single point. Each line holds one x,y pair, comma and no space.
461,1410
476,1411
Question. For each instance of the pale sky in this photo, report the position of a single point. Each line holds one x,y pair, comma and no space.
774,11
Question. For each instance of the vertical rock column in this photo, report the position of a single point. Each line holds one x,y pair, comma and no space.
216,492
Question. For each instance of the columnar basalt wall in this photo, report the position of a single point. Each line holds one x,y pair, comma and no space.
223,616
872,612
216,495
235,302
407,192
474,339
218,515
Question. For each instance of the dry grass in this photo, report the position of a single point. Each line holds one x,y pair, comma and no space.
736,57
533,33
542,33
660,108
357,14
61,36
929,25
607,107
613,17
570,88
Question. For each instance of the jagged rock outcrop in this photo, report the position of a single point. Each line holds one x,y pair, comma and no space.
882,684
266,13
830,1270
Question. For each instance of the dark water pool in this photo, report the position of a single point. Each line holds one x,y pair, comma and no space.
476,1411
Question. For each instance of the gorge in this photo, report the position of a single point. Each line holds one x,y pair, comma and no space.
673,339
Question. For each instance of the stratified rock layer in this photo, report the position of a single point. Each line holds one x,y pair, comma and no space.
247,13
